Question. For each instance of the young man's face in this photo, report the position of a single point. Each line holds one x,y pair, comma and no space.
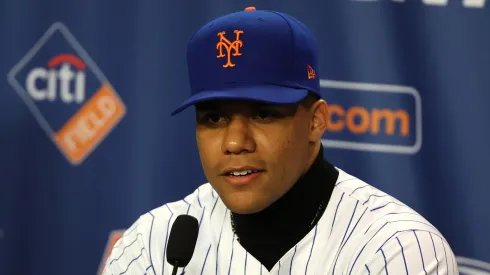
252,153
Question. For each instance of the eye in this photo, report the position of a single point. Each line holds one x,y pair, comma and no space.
267,114
210,118
215,118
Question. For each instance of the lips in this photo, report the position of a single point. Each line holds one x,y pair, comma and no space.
241,171
241,176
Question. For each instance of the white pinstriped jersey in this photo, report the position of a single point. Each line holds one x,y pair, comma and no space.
362,231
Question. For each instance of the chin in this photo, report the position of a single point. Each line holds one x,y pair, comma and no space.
244,201
244,207
245,211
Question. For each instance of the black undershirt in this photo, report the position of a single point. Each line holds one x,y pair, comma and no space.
271,233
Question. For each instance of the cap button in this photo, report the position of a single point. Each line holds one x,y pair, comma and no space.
250,9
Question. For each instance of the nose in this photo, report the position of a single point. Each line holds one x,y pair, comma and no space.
238,137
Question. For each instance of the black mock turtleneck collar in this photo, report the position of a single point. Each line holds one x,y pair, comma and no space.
269,234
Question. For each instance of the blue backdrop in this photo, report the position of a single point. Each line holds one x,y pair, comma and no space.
87,144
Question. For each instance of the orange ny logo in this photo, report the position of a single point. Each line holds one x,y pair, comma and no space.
229,47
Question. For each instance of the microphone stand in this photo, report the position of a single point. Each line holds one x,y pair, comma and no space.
176,267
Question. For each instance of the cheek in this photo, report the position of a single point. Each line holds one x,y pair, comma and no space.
207,150
295,147
287,149
204,150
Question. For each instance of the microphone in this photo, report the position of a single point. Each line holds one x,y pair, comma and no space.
182,241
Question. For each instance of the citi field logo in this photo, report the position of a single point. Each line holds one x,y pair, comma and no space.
373,117
58,77
67,93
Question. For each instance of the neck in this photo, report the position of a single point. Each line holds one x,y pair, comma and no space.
269,234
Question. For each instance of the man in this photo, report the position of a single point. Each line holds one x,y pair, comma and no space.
273,205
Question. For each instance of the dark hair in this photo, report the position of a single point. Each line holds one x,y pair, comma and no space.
309,100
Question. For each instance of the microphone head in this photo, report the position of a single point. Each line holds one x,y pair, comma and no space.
182,240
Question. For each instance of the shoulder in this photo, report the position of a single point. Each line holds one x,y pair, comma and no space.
195,203
381,206
142,245
389,233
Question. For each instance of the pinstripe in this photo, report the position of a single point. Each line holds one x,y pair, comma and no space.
166,239
132,261
386,263
369,227
421,255
311,251
149,242
387,240
362,249
231,257
349,230
358,189
345,234
373,195
292,258
344,181
443,246
215,202
350,234
426,224
200,220
380,207
202,215
350,221
127,233
205,259
369,271
219,241
124,249
198,197
146,270
336,210
245,266
403,254
399,213
435,253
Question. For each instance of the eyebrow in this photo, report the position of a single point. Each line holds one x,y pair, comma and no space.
289,109
206,108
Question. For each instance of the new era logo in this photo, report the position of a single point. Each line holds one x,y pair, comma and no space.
67,93
311,72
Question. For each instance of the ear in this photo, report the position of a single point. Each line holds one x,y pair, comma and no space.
319,120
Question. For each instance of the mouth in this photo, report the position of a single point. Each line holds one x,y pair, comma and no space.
241,171
242,175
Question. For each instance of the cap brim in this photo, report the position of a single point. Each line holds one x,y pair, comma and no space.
267,94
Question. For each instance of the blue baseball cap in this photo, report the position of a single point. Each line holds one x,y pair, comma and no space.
257,55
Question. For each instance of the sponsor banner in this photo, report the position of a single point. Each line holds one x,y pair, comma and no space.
373,117
67,93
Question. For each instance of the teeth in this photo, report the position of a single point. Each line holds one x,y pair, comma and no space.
242,173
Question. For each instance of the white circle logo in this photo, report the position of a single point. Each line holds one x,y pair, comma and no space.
469,266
